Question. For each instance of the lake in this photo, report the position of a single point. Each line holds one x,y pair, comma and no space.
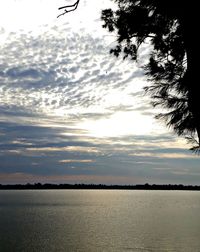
99,220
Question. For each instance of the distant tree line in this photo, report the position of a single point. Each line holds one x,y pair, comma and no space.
39,186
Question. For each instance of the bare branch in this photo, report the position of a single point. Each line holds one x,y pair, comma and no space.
68,8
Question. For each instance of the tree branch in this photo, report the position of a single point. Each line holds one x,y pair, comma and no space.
68,8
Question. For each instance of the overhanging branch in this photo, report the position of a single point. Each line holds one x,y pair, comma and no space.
68,8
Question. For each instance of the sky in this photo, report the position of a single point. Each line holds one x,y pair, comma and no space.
72,113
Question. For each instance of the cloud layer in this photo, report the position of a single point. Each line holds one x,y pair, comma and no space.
70,112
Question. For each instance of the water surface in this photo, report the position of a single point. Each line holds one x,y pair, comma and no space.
99,220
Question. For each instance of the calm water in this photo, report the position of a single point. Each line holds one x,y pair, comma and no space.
99,220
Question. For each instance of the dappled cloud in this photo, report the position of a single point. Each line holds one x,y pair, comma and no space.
69,111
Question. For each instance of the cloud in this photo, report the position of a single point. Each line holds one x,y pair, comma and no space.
80,149
71,112
76,161
55,71
17,72
12,178
49,154
165,155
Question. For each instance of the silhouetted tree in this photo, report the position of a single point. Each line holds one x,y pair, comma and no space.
169,26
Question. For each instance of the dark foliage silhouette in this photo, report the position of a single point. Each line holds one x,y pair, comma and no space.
169,26
172,68
39,186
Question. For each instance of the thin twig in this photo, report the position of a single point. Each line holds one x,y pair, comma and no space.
68,8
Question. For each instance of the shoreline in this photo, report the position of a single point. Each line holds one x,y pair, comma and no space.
39,186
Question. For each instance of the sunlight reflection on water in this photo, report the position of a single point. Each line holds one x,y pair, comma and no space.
99,220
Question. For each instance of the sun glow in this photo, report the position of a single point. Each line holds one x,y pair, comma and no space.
121,124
